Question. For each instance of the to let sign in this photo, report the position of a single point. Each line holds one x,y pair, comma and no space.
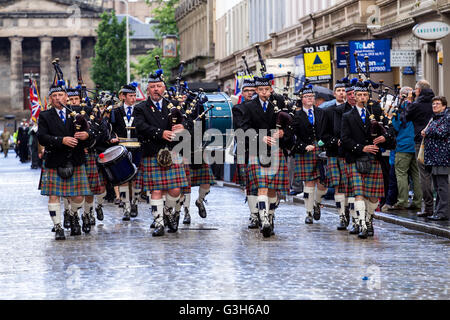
403,58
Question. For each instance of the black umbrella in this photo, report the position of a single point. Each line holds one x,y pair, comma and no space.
322,92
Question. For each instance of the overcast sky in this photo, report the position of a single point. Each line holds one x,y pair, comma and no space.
223,6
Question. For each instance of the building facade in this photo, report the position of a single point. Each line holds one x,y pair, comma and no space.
32,34
196,25
335,23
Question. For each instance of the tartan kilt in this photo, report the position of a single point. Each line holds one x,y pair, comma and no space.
54,185
187,189
350,190
276,178
369,185
152,177
306,167
241,174
95,177
202,175
337,174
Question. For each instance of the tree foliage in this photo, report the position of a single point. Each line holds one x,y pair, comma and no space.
109,64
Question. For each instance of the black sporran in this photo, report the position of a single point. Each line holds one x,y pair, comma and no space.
364,164
65,171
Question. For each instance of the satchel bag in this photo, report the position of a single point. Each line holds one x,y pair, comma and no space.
364,164
421,153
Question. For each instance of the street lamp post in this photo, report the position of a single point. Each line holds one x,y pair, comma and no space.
128,44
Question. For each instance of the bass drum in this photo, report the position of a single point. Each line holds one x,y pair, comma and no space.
117,166
221,117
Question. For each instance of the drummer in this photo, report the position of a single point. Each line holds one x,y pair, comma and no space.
123,122
156,175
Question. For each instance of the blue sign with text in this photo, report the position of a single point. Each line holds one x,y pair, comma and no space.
340,56
378,51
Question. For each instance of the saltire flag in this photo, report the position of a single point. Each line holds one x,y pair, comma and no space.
35,103
238,86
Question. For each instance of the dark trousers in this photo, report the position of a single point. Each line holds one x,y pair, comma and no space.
385,168
392,192
425,183
440,183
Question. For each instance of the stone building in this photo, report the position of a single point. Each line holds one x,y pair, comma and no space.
337,22
32,34
196,24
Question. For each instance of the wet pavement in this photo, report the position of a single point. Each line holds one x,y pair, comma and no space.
214,258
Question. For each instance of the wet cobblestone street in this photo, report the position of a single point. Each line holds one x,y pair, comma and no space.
214,258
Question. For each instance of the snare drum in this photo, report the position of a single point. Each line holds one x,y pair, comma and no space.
117,166
134,147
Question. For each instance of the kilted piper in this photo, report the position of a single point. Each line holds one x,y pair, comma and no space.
363,153
269,177
336,174
157,174
64,174
309,127
248,90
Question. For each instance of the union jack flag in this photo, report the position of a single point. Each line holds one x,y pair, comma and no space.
35,103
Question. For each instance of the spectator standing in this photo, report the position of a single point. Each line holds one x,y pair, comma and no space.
437,155
5,141
405,158
420,113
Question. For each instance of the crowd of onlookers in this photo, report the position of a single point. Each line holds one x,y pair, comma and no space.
25,143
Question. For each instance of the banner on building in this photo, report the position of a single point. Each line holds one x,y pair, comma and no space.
403,58
340,56
317,60
378,51
280,67
299,72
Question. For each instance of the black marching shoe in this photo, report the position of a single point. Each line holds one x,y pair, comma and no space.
187,217
347,216
75,228
317,212
363,234
309,219
159,231
86,223
370,230
134,211
59,233
173,220
126,216
272,225
92,218
67,219
254,223
266,229
99,211
201,209
343,223
153,225
355,227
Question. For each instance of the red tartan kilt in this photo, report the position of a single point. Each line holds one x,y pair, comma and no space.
187,189
275,178
152,177
95,178
337,174
202,175
369,185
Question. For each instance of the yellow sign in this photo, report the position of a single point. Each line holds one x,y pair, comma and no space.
317,64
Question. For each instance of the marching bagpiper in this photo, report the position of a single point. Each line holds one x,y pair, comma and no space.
248,91
64,174
161,170
260,115
309,127
363,137
337,176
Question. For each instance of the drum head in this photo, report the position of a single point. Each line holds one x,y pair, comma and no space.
112,154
